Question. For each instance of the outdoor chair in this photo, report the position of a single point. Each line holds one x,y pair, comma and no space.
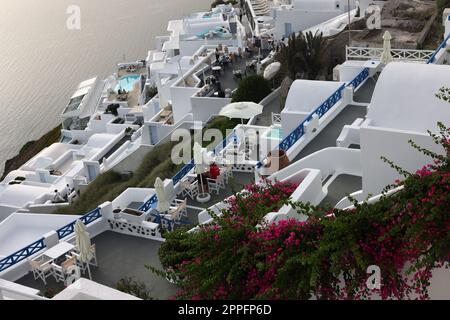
221,181
213,185
93,261
189,188
41,269
227,171
180,210
62,272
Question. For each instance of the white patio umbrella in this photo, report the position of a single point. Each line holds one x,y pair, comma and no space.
271,70
83,242
162,205
386,56
242,110
198,161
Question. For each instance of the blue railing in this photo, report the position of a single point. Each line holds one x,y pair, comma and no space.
363,75
149,203
441,46
320,111
22,254
86,219
183,172
39,245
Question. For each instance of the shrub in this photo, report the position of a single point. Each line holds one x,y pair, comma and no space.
327,256
223,124
150,93
136,288
442,4
252,88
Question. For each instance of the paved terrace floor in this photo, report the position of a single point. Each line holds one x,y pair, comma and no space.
364,94
341,187
119,256
226,77
343,184
265,119
235,184
328,136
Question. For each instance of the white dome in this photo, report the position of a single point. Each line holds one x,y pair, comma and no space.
404,97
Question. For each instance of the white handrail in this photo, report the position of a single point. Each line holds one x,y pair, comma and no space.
397,54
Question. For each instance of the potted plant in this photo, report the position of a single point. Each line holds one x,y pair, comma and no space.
133,216
277,158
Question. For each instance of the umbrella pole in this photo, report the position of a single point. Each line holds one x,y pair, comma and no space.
89,271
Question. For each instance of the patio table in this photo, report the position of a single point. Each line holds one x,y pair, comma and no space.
59,250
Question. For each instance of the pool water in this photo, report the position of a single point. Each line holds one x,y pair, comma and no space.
275,133
127,82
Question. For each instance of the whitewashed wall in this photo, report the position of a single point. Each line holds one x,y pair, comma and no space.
392,144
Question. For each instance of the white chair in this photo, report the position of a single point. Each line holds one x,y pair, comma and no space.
41,269
93,261
189,188
180,210
213,185
62,272
221,181
227,171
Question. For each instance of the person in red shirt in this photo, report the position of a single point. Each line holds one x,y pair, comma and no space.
214,171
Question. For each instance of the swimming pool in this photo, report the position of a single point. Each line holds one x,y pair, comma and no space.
275,133
127,82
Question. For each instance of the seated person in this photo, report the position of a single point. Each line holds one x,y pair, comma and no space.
58,198
214,171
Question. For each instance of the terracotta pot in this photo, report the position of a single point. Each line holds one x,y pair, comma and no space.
279,160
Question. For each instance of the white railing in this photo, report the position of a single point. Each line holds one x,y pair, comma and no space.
397,54
276,118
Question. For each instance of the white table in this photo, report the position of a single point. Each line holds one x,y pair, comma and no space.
59,250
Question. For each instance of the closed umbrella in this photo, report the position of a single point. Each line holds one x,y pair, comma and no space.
271,70
198,161
242,110
386,56
163,205
83,242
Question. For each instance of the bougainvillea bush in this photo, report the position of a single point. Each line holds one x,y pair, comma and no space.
406,234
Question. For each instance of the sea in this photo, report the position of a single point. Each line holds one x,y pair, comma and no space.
47,47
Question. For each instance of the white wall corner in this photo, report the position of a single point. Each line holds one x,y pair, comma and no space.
51,239
106,209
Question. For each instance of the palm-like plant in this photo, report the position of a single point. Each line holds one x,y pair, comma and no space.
304,56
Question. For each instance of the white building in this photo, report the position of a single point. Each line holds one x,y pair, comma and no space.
220,25
329,130
282,18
